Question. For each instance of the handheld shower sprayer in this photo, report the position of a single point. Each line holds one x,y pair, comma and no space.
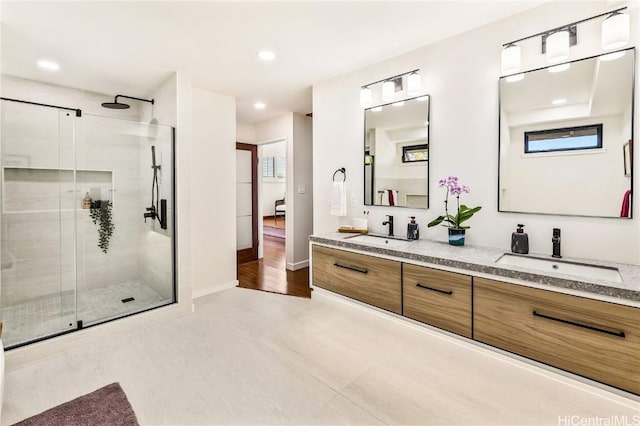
158,209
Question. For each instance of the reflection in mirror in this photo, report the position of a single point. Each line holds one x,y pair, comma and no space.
566,138
396,154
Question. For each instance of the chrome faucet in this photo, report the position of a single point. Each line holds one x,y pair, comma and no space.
555,239
389,222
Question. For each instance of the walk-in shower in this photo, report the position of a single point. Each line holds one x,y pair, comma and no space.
75,248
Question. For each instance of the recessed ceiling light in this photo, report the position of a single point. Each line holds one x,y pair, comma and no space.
48,65
259,105
266,55
515,77
559,68
558,101
422,98
376,109
397,104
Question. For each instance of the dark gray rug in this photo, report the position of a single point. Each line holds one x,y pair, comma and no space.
108,406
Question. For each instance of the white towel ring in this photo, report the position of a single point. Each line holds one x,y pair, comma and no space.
344,173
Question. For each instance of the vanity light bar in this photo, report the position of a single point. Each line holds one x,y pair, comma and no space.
556,41
564,27
414,83
392,78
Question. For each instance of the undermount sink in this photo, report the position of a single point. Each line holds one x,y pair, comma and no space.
378,240
582,270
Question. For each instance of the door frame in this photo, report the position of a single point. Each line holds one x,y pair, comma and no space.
251,253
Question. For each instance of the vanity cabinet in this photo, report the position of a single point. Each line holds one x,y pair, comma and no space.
595,339
368,279
438,298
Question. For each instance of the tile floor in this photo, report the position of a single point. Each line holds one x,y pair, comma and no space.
49,315
250,357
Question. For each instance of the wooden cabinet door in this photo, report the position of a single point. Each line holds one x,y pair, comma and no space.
438,298
369,279
595,339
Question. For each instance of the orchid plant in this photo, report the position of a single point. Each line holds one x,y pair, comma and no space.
464,213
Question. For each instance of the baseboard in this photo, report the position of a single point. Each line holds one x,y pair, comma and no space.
214,289
297,265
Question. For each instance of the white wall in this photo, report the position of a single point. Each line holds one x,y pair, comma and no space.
300,185
461,74
245,132
213,195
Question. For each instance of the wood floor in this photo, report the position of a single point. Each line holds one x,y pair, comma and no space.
274,227
270,273
273,222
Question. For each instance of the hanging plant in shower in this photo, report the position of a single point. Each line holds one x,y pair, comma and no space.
101,214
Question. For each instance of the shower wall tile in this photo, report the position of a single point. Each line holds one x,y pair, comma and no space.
155,243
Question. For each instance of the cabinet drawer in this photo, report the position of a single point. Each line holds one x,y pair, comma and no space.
438,298
595,339
366,278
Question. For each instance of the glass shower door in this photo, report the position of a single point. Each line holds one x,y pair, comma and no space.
37,223
124,253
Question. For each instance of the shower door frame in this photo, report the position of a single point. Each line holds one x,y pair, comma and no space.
174,238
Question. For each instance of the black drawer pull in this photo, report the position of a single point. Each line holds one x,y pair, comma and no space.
351,268
449,292
577,324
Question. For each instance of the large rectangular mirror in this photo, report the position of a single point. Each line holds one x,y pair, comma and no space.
396,154
566,138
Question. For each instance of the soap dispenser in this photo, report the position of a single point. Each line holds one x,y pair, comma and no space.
413,233
520,241
86,202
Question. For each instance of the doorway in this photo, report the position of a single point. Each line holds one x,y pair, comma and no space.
269,272
246,202
273,199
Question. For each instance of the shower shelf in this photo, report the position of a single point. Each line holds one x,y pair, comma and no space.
42,189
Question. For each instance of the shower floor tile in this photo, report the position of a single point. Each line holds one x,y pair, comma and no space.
54,314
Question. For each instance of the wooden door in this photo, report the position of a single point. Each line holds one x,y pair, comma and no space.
246,202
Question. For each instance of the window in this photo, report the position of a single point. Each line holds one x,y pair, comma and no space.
415,153
267,167
566,139
274,167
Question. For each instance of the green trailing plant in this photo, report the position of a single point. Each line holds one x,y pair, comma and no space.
102,215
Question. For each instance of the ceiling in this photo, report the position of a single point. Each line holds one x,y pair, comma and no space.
130,47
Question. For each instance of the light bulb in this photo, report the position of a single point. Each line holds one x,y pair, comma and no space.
365,97
511,59
414,83
388,90
615,31
558,47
